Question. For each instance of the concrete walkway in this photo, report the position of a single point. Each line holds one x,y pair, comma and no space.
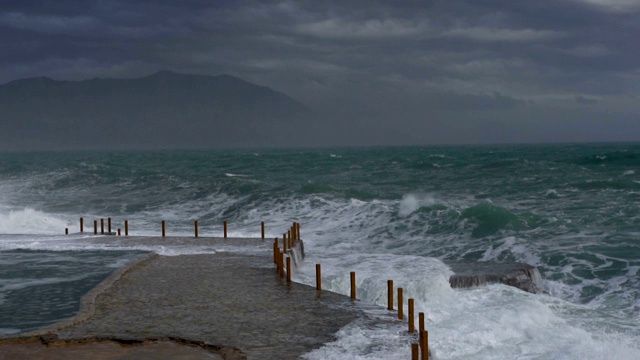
233,303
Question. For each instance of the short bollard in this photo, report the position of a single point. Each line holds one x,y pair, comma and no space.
81,225
281,264
95,227
424,344
412,326
119,234
101,226
164,228
318,277
400,304
109,225
353,285
262,229
284,243
66,231
275,251
195,227
390,294
415,351
126,228
288,269
225,229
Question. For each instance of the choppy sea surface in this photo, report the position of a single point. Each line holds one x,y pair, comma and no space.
387,213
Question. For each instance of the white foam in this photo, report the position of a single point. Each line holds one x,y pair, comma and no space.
30,221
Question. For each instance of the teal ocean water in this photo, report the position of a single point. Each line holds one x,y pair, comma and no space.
571,210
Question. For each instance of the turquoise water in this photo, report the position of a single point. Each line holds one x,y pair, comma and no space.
571,210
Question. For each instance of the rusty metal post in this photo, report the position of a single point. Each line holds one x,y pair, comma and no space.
412,326
318,277
424,341
281,264
275,250
400,304
284,243
225,229
390,294
415,351
353,285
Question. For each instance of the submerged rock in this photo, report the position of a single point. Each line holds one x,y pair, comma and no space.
522,276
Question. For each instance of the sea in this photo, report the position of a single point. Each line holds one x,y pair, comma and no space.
401,213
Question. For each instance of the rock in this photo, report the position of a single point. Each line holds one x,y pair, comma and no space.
522,276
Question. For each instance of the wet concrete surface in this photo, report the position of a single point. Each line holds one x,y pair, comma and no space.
235,303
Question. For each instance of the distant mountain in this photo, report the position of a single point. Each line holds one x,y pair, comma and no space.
163,110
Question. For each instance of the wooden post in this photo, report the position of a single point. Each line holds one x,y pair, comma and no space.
225,229
126,228
288,269
400,304
390,294
195,227
119,233
109,225
298,230
281,264
262,229
424,341
318,277
164,228
81,225
275,251
101,226
66,231
284,242
95,227
289,237
412,326
415,351
420,322
353,285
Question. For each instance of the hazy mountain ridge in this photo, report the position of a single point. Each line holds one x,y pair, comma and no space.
165,109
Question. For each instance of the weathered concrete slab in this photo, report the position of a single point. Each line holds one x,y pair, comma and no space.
522,276
234,303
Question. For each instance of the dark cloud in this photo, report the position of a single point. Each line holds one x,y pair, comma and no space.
400,61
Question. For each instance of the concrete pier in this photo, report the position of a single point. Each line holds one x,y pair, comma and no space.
227,305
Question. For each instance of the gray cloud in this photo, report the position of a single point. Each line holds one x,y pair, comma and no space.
403,61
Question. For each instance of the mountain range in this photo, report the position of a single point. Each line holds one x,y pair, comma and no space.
162,110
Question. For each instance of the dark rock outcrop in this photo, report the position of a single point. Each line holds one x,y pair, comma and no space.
522,276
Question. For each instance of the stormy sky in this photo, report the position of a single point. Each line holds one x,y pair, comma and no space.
385,72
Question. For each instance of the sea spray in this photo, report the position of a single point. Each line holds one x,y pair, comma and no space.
570,210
